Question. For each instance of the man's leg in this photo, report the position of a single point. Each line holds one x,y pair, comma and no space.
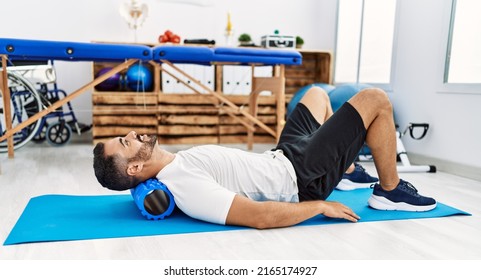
318,103
328,144
376,111
392,193
377,114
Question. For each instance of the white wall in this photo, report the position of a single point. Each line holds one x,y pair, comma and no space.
454,136
99,20
455,132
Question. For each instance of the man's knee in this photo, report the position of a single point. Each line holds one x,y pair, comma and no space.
377,97
371,103
315,95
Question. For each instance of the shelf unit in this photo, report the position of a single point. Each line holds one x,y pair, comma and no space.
184,117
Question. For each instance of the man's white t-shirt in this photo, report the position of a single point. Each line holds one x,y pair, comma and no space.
205,179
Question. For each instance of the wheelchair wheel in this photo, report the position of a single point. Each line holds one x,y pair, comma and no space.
59,133
24,103
41,136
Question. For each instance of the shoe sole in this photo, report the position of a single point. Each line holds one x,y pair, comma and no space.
348,185
382,203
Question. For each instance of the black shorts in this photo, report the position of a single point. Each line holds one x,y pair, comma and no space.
321,154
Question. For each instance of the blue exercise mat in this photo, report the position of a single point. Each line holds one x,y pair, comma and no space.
67,217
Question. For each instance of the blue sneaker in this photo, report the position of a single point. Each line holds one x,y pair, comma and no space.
404,197
358,179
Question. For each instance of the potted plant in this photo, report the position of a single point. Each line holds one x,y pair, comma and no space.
245,39
299,42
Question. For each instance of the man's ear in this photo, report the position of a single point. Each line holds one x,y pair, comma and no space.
134,168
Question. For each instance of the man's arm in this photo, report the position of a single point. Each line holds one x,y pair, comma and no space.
271,214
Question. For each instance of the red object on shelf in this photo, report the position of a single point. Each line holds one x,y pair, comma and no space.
169,36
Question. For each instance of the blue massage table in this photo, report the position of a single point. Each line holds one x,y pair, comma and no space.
19,49
208,55
128,54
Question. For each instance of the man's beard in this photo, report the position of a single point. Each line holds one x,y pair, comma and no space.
146,150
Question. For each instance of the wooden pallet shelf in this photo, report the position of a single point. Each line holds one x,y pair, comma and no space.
118,113
316,67
187,119
192,118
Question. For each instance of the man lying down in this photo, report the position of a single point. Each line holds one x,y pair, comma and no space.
281,187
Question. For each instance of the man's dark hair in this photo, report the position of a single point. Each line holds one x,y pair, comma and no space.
111,171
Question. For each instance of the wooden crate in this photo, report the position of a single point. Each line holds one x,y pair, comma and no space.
187,119
231,131
200,119
97,67
118,113
196,118
316,67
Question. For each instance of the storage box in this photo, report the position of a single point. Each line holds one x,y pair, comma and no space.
278,41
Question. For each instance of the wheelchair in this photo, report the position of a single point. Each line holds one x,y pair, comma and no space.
33,88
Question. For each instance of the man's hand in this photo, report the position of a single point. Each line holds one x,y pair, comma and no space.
270,214
339,210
